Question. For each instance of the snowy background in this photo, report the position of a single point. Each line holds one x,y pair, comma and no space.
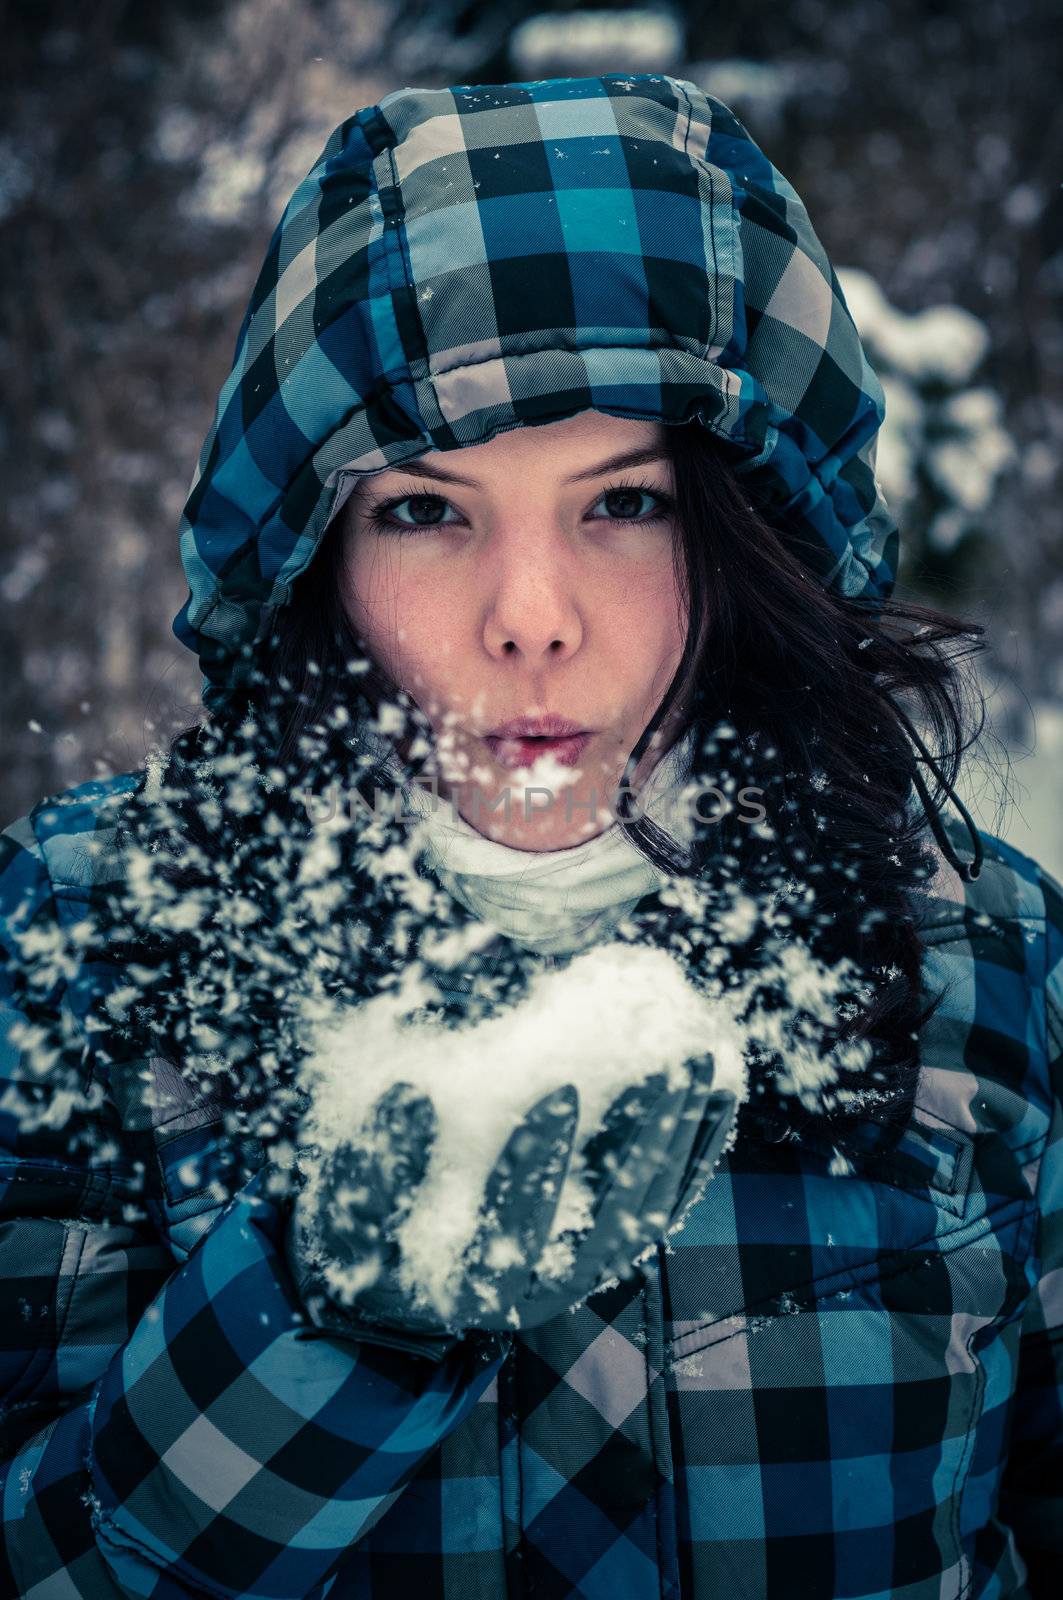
148,150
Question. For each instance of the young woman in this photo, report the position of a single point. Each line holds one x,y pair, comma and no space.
547,405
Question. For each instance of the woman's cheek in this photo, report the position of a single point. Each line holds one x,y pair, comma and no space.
657,628
431,665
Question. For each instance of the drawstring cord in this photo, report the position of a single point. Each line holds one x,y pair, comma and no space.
967,870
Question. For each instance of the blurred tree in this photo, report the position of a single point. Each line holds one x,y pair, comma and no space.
101,350
147,152
943,448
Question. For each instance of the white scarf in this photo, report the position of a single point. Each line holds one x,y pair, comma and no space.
555,901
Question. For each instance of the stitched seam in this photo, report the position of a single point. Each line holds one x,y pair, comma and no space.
1037,1250
706,165
522,1565
500,1426
575,350
715,253
60,1326
99,1192
105,1523
652,1432
397,246
686,152
856,1277
690,115
963,1469
59,1180
821,1300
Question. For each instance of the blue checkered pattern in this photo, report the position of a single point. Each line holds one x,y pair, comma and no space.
462,261
828,1384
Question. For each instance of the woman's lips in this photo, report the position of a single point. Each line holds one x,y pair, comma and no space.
515,753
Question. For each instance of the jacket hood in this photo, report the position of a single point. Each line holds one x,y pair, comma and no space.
467,260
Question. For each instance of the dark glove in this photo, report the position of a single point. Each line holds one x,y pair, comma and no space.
644,1168
346,1249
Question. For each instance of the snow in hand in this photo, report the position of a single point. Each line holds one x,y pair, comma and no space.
609,1020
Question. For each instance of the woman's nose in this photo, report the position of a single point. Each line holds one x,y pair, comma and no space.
531,604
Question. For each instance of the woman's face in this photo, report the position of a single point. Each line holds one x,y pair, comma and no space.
525,577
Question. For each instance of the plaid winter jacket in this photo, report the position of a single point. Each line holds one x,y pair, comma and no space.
825,1385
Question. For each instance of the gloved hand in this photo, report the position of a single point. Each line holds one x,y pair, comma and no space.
643,1168
646,1167
343,1245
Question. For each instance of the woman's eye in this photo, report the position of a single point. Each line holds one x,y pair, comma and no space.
628,504
411,512
425,512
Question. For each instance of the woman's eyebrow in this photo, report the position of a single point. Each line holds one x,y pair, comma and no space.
628,458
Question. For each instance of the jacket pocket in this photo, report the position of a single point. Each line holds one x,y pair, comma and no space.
72,1288
931,1156
192,1164
785,1224
826,1398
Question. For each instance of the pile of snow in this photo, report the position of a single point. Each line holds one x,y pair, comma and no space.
609,1020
